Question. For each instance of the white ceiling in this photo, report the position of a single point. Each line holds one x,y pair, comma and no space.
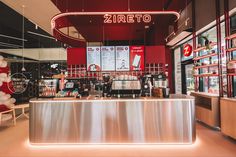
39,12
39,53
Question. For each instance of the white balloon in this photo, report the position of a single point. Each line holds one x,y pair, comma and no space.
1,58
3,64
8,79
4,98
3,75
10,105
1,83
8,102
13,100
8,96
2,93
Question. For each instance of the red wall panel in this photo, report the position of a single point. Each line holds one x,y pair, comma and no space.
155,54
76,56
160,54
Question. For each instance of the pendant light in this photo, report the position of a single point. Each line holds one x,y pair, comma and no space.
23,37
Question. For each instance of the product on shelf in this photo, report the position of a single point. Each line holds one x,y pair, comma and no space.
231,68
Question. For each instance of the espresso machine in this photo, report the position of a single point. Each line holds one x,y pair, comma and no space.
126,86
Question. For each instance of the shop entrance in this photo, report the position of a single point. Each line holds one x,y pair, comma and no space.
187,77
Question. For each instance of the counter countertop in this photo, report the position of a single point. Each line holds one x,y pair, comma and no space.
205,94
229,99
173,97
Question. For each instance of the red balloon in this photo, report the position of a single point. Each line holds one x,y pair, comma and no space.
4,70
7,88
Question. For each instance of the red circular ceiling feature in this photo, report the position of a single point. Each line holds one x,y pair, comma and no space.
62,21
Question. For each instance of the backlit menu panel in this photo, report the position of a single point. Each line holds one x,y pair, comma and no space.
122,58
93,59
136,57
108,58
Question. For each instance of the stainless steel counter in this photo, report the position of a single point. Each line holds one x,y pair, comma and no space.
111,120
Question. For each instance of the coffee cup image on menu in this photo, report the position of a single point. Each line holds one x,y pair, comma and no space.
94,67
123,65
136,61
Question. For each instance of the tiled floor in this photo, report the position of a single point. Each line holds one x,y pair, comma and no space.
13,142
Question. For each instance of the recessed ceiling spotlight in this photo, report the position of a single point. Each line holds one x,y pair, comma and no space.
90,21
146,27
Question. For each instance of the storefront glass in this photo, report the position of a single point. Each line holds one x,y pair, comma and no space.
189,78
208,83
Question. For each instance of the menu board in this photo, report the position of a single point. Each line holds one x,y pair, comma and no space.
108,58
93,59
136,57
122,58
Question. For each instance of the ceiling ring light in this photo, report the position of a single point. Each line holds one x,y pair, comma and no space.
59,21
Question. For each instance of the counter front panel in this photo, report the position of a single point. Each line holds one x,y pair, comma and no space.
111,121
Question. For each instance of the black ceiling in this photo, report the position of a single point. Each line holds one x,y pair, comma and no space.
11,25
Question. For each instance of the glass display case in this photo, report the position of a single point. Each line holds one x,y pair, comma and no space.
189,78
48,87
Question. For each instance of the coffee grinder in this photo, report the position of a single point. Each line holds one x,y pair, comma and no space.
147,85
160,82
106,90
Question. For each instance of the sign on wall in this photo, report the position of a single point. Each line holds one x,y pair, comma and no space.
122,58
93,59
129,18
188,50
108,58
136,57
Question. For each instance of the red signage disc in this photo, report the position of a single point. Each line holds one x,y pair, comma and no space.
188,50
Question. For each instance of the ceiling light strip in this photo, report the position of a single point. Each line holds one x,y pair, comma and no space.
41,35
11,37
1,45
13,45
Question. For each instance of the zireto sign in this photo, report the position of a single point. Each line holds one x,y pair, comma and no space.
129,18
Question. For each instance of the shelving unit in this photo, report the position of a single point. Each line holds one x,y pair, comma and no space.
228,105
205,56
231,49
154,68
204,47
80,71
205,64
230,76
206,75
